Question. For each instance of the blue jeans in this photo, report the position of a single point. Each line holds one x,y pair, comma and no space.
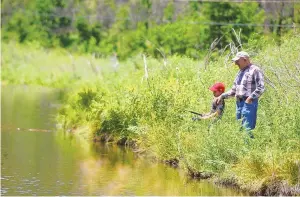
247,112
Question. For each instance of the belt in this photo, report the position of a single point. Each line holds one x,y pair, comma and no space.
241,98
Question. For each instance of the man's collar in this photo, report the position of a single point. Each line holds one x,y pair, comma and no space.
242,69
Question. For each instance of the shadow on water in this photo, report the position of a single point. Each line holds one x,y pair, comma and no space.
51,163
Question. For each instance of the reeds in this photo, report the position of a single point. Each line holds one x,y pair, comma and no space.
152,114
265,165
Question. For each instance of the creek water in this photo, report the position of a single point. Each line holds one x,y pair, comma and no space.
38,160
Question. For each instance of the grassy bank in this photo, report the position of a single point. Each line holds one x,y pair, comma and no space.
150,111
32,64
146,104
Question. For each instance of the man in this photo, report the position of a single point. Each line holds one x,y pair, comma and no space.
248,86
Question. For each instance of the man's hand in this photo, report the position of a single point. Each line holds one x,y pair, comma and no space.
248,100
218,99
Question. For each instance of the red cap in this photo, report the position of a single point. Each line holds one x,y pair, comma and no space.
218,87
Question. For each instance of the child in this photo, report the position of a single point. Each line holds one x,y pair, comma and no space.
216,109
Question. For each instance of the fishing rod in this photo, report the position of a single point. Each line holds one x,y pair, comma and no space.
193,112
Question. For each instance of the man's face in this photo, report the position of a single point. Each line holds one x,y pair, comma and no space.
240,62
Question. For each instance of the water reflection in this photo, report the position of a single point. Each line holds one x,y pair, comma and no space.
53,163
112,170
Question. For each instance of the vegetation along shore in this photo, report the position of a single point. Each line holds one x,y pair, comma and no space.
143,103
131,81
147,107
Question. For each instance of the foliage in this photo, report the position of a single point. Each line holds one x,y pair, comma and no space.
32,64
119,99
136,26
152,113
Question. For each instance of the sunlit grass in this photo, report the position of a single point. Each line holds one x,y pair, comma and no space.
152,113
126,103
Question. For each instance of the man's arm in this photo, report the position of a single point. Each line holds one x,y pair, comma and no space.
260,86
228,94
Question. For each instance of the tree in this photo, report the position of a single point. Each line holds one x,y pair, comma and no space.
232,14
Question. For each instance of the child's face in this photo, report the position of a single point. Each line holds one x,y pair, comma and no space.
217,93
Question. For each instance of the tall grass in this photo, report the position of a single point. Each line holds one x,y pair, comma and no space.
151,112
150,109
33,65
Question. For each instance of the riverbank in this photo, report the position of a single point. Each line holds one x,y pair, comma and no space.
148,106
37,160
272,187
145,100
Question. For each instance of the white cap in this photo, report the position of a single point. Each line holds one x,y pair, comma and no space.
239,55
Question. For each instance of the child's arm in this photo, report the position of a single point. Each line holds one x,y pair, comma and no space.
211,115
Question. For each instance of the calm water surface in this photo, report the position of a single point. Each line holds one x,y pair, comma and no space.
37,160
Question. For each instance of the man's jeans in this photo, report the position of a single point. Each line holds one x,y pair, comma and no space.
248,113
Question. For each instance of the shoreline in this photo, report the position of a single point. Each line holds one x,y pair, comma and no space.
272,188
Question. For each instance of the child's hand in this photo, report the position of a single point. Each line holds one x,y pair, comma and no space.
196,118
